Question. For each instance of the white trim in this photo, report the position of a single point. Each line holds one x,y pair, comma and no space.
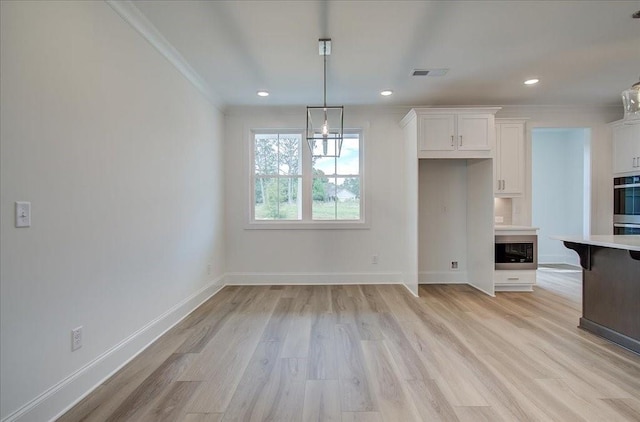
442,277
251,279
134,17
62,396
307,225
492,294
411,291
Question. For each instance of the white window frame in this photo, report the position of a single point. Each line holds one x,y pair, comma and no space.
307,186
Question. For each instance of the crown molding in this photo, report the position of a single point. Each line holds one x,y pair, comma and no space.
134,17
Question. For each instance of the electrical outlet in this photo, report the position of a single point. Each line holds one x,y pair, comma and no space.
76,338
454,265
499,219
374,259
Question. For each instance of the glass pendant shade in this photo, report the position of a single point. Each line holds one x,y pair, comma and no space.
631,102
324,130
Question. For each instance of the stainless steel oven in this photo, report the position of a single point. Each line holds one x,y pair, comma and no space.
516,252
626,205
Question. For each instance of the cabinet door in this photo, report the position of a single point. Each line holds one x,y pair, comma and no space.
626,148
473,132
510,163
436,132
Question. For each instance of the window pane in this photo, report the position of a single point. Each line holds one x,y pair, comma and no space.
290,199
324,166
324,204
349,160
348,198
266,154
277,198
265,198
289,154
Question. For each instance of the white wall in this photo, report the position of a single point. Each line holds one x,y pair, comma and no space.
327,256
260,256
558,190
442,221
121,159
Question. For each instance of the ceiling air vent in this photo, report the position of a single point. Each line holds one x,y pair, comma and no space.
429,72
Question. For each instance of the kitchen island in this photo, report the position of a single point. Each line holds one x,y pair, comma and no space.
610,286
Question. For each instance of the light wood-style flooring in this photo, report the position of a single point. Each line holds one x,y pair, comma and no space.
376,353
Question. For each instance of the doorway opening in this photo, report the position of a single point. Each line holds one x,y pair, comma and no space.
561,189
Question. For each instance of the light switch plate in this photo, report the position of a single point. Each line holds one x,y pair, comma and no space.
23,214
498,219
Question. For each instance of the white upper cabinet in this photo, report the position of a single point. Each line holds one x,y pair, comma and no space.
436,132
454,132
626,147
475,132
509,164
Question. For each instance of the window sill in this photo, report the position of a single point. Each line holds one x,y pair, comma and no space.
307,225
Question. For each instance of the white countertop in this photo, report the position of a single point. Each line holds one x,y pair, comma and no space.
628,242
506,227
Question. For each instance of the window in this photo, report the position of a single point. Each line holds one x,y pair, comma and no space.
277,176
292,188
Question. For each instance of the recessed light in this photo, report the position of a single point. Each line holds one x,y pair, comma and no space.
263,93
386,92
531,81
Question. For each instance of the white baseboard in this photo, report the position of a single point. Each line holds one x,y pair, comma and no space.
58,399
442,277
252,279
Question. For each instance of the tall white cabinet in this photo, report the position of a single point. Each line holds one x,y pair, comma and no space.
449,189
626,147
509,153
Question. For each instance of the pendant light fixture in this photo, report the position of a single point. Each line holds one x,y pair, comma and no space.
631,102
325,124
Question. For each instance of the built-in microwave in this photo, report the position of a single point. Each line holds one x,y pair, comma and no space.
626,205
516,252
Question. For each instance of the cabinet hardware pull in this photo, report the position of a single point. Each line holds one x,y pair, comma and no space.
460,140
634,162
451,140
513,278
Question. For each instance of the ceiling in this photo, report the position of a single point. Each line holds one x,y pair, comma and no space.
584,52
